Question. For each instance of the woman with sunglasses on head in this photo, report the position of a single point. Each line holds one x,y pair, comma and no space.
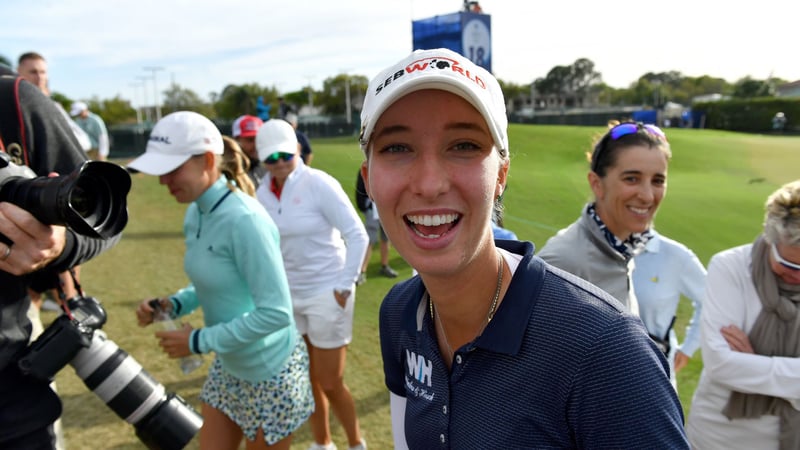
258,385
489,346
323,243
748,395
628,178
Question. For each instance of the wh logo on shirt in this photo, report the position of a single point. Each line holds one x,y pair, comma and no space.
419,367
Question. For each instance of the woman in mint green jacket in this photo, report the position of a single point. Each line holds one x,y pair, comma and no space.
258,384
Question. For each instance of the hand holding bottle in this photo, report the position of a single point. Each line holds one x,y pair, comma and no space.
176,345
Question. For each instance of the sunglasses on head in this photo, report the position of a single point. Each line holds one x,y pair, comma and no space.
619,131
273,158
625,129
779,259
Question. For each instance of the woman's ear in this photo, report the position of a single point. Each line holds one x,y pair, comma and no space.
365,176
210,160
596,184
502,178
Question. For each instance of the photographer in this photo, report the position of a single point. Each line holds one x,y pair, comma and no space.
31,252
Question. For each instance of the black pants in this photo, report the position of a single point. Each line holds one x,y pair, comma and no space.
42,439
28,408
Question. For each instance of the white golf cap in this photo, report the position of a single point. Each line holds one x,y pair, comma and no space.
77,108
176,138
276,135
441,69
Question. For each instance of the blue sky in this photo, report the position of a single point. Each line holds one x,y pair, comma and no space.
99,48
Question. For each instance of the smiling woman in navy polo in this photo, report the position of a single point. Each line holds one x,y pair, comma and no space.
491,347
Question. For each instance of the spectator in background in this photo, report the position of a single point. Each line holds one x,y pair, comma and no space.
234,164
244,130
665,270
258,385
323,243
375,232
32,67
94,127
628,177
779,121
748,395
302,139
283,108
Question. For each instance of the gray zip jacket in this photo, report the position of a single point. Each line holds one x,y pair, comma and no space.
582,250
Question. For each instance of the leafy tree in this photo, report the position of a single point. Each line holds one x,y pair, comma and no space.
555,83
655,89
113,110
65,101
236,100
296,98
750,88
512,90
518,95
177,98
582,76
607,95
332,97
6,61
569,84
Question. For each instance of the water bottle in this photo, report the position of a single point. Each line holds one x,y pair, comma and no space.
161,316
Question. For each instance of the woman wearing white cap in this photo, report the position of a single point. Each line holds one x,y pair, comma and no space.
323,242
491,347
258,384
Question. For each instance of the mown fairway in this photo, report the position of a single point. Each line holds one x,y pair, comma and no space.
718,182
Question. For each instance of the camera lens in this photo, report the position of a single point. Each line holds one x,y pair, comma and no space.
135,396
81,202
90,201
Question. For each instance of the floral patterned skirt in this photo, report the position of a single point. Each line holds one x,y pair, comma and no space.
278,405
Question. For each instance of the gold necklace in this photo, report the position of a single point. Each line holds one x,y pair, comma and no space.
489,315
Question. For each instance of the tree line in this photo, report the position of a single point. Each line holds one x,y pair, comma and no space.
577,81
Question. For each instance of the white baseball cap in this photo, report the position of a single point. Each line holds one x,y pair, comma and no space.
176,138
441,69
276,135
77,108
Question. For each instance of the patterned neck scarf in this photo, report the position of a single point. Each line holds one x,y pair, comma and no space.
629,247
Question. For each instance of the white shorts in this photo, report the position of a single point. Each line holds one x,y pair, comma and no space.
320,317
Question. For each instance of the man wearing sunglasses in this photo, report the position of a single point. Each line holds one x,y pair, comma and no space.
749,392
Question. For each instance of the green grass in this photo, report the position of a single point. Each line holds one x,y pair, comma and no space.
718,183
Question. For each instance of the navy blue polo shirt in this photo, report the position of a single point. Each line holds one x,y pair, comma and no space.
561,365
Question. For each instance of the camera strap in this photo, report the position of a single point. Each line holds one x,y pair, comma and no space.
63,297
12,130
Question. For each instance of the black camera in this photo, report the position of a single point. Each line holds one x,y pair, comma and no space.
90,200
163,420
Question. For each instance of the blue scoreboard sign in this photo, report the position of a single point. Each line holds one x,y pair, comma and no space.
467,33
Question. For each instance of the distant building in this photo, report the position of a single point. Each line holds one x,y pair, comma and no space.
709,98
791,90
565,100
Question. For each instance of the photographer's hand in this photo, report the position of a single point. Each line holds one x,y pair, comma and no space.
176,343
34,244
